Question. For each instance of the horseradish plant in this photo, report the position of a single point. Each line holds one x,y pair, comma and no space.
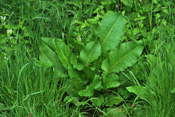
92,67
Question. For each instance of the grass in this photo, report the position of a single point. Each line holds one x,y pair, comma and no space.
26,89
161,79
29,90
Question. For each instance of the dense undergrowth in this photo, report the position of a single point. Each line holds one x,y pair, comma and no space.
106,58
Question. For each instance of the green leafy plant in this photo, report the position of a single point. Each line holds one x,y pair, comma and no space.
11,35
93,67
127,2
81,64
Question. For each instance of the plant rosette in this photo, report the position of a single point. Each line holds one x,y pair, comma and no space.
93,68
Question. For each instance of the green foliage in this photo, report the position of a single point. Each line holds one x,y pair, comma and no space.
141,91
111,24
122,57
111,100
90,68
127,2
48,53
63,52
89,91
11,36
114,112
173,91
89,60
97,101
111,80
90,53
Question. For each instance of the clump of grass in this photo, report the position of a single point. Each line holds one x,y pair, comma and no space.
162,77
161,81
27,89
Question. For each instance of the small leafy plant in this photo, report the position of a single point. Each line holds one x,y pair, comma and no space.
10,37
93,68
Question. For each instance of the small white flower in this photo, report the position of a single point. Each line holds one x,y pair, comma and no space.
11,37
75,21
98,15
3,18
116,6
9,31
78,38
5,58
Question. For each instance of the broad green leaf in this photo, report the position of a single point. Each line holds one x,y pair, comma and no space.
77,78
44,61
127,2
70,89
77,45
139,18
90,53
173,10
63,52
80,65
74,100
73,72
111,80
141,91
73,59
123,92
114,112
122,57
113,100
97,101
89,91
79,83
77,63
155,1
47,49
138,90
49,42
173,91
107,2
90,73
110,30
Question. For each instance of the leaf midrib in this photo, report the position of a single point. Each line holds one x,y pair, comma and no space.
110,31
122,59
50,50
90,55
63,55
88,59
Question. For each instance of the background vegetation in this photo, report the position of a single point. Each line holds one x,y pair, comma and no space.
32,87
